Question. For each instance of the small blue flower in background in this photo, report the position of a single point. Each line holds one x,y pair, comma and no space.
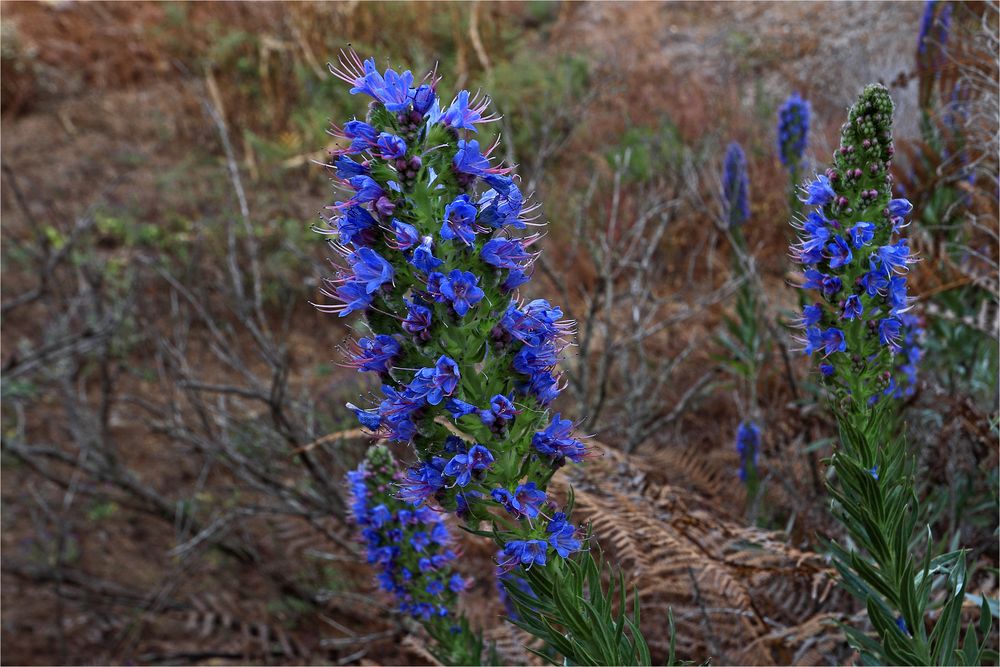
929,20
748,447
793,131
735,186
926,22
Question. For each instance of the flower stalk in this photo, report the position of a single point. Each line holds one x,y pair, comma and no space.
434,243
855,264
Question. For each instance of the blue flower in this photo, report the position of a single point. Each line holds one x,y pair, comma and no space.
468,159
793,130
346,168
419,540
356,226
899,208
380,516
817,231
819,192
834,341
456,584
527,498
370,268
735,185
392,90
390,146
504,253
354,296
926,21
852,307
874,281
370,420
420,483
435,281
423,99
894,257
861,234
839,252
544,387
407,235
459,220
888,332
418,318
434,384
362,135
499,209
536,324
524,552
462,290
813,340
505,498
557,442
460,116
462,466
366,189
811,314
896,294
532,359
831,286
514,279
502,408
423,258
827,284
562,535
458,408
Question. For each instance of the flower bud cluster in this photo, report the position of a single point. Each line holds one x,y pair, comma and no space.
432,253
854,259
410,545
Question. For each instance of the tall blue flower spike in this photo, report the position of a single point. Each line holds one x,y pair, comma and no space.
735,186
428,233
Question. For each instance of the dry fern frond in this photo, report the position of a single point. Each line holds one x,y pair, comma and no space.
737,593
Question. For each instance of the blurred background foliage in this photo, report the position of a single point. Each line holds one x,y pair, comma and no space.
174,436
